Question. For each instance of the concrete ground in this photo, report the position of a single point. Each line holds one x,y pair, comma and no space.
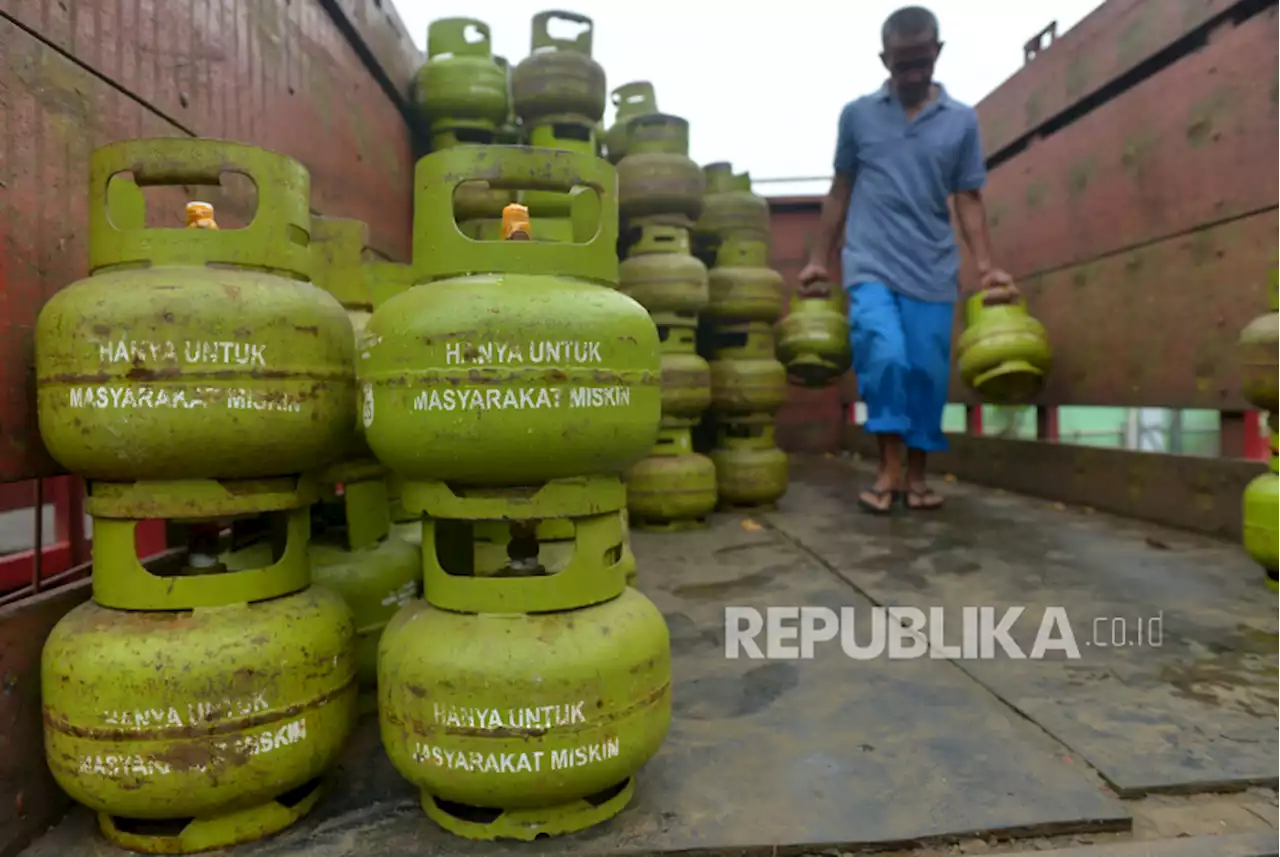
1144,745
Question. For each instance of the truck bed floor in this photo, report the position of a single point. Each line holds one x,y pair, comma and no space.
1116,753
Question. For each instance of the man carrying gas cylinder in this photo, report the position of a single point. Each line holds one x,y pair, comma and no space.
900,153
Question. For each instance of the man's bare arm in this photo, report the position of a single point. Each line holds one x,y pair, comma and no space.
835,209
971,212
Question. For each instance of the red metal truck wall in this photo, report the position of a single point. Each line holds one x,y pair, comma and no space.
1142,230
75,74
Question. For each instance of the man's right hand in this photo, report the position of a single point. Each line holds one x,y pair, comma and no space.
815,282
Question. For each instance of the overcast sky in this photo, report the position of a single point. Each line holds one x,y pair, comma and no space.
763,89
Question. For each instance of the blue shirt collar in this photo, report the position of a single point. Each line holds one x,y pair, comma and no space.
944,100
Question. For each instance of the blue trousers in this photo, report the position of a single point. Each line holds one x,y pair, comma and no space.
902,357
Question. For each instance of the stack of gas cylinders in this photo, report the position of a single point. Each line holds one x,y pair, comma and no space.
198,376
531,680
660,196
555,98
748,384
443,447
1258,363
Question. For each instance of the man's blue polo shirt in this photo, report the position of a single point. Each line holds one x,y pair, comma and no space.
899,231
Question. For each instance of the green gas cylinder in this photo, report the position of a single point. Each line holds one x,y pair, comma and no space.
657,178
629,101
559,81
742,285
355,554
176,326
519,360
750,469
196,704
730,209
461,85
536,686
745,377
813,339
198,722
1258,357
686,377
1261,510
661,273
550,211
674,488
1004,353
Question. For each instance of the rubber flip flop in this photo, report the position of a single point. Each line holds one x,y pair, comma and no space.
921,496
879,494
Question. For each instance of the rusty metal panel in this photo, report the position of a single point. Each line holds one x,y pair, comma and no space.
1195,144
55,113
29,798
279,75
1113,40
383,34
1188,492
1157,326
810,420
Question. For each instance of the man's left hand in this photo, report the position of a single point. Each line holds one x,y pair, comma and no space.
998,287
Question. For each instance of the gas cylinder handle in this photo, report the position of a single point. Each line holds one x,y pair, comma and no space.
337,253
635,98
659,238
542,37
440,250
277,238
449,36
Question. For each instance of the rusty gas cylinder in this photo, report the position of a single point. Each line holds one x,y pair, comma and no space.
657,177
174,342
674,488
813,339
461,85
531,330
559,81
742,286
751,471
629,101
1004,353
730,209
661,273
746,379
